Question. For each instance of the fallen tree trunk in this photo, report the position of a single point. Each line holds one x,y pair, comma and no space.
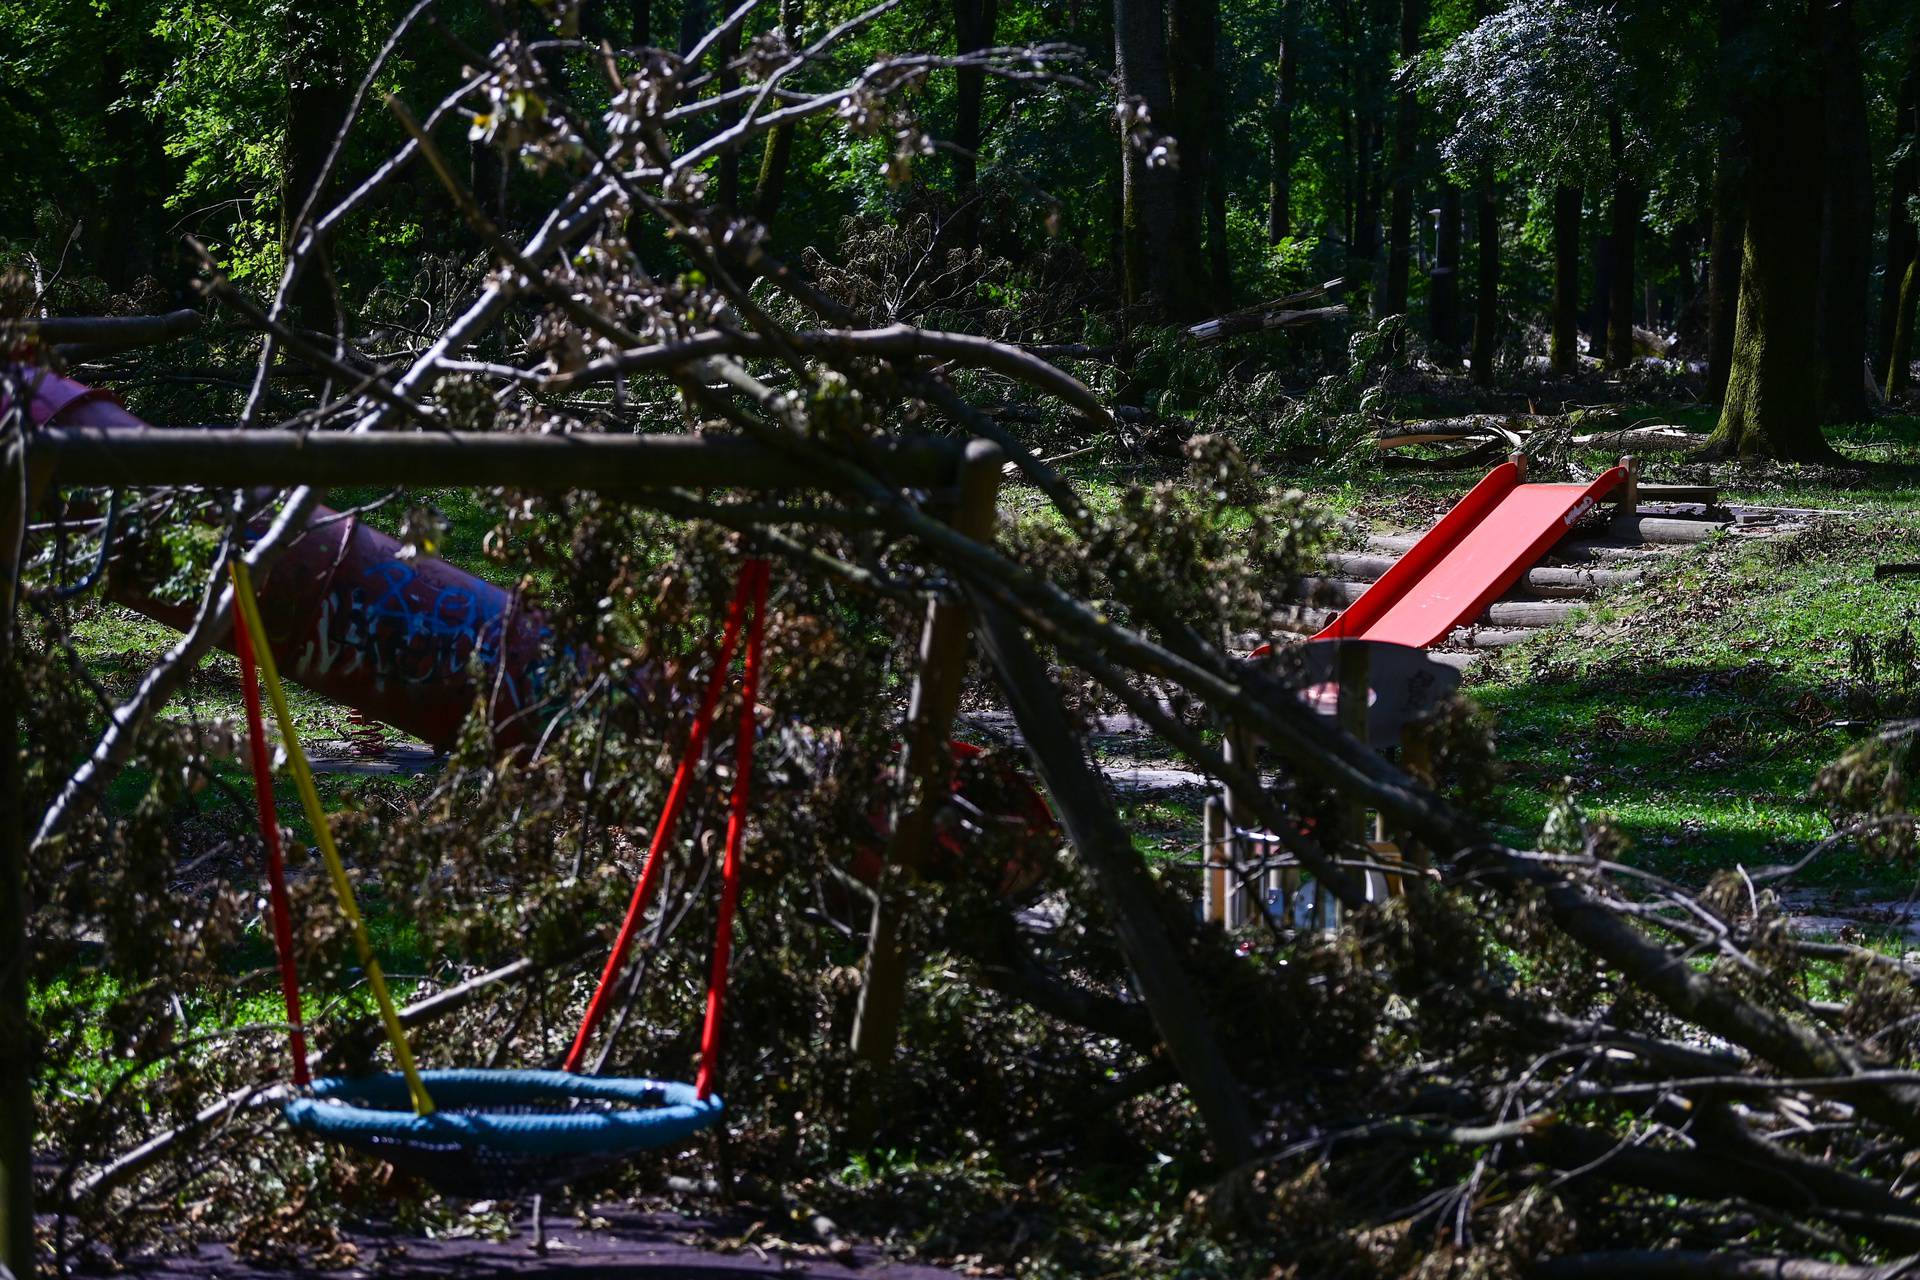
1280,313
1510,427
1223,327
1106,847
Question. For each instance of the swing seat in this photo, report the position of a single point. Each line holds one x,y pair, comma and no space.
502,1133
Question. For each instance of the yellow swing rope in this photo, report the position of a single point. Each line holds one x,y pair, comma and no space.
323,836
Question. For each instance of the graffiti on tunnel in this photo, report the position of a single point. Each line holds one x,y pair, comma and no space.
396,626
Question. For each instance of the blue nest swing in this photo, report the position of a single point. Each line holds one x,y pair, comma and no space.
500,1133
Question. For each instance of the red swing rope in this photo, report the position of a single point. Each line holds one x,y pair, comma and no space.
751,588
270,837
736,831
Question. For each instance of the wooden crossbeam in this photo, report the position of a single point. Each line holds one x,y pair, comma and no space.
226,458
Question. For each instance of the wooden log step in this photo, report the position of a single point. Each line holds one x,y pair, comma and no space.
1607,551
1661,530
1704,495
1550,581
1530,613
1338,593
1303,619
1309,618
1489,637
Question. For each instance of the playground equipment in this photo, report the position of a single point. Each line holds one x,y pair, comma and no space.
1477,551
506,1132
952,481
350,615
1375,690
1366,669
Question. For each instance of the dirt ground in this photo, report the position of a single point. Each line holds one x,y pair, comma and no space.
632,1244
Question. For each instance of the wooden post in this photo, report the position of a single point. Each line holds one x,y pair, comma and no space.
1416,757
1106,848
1519,460
1242,898
924,769
1216,872
16,1038
236,459
1352,662
1630,491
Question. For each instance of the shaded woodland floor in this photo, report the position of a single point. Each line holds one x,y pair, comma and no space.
620,1243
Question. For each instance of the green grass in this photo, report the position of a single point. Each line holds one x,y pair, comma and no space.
1695,711
86,997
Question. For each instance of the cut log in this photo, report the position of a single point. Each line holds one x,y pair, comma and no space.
1513,428
1530,613
1646,339
1302,619
1324,595
1662,530
1478,456
1330,592
110,333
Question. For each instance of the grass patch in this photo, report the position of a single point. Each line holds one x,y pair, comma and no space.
1695,710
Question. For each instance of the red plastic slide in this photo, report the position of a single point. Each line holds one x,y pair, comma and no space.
1477,551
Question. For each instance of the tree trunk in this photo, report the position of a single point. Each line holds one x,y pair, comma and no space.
1219,254
1406,125
1486,302
1280,128
1903,238
1900,349
1159,266
1599,310
1367,215
1106,849
117,243
1193,32
1349,179
974,22
1566,279
21,1046
1723,264
728,162
777,156
1627,199
1846,224
693,24
1772,405
318,99
642,23
1443,287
